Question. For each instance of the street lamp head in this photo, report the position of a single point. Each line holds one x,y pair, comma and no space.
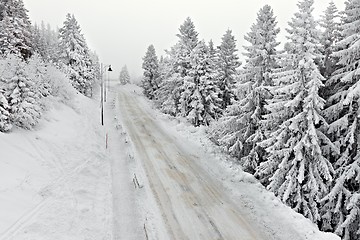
109,69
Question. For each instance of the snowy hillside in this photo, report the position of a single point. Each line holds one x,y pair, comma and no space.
55,180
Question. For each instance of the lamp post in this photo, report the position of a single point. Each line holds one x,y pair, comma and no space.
106,81
102,90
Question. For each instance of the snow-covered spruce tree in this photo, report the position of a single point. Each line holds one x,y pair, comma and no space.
75,56
124,75
188,40
96,67
151,72
37,71
204,104
8,67
15,29
5,124
239,130
45,42
329,36
227,62
178,67
23,98
299,172
169,81
38,41
182,66
343,114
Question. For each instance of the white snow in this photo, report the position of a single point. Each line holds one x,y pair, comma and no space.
59,181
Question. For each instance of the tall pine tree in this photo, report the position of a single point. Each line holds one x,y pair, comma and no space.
75,56
330,35
200,85
151,72
343,114
297,170
124,75
15,29
228,62
239,130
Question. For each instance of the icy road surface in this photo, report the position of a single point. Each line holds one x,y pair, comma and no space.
193,205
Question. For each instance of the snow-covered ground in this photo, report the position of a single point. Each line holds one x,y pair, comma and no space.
157,178
55,180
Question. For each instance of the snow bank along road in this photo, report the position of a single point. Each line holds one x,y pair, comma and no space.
193,205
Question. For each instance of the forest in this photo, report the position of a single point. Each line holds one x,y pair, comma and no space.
37,62
289,114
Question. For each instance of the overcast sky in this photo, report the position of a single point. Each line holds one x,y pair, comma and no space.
121,30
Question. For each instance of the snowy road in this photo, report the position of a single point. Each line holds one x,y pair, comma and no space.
193,205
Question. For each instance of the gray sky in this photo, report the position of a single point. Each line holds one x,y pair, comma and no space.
121,30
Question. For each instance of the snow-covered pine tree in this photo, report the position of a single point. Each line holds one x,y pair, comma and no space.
5,124
95,66
204,104
38,41
188,40
169,82
8,66
228,62
75,56
342,204
45,42
151,72
176,68
329,36
37,71
15,29
124,75
299,172
23,98
239,130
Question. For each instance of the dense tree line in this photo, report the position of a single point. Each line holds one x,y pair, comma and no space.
290,116
36,62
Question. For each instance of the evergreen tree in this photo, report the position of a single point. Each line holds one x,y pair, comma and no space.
5,124
298,171
343,115
169,82
23,98
177,67
95,66
37,71
188,40
45,42
15,29
329,37
151,72
239,130
75,56
124,76
200,85
228,62
7,68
